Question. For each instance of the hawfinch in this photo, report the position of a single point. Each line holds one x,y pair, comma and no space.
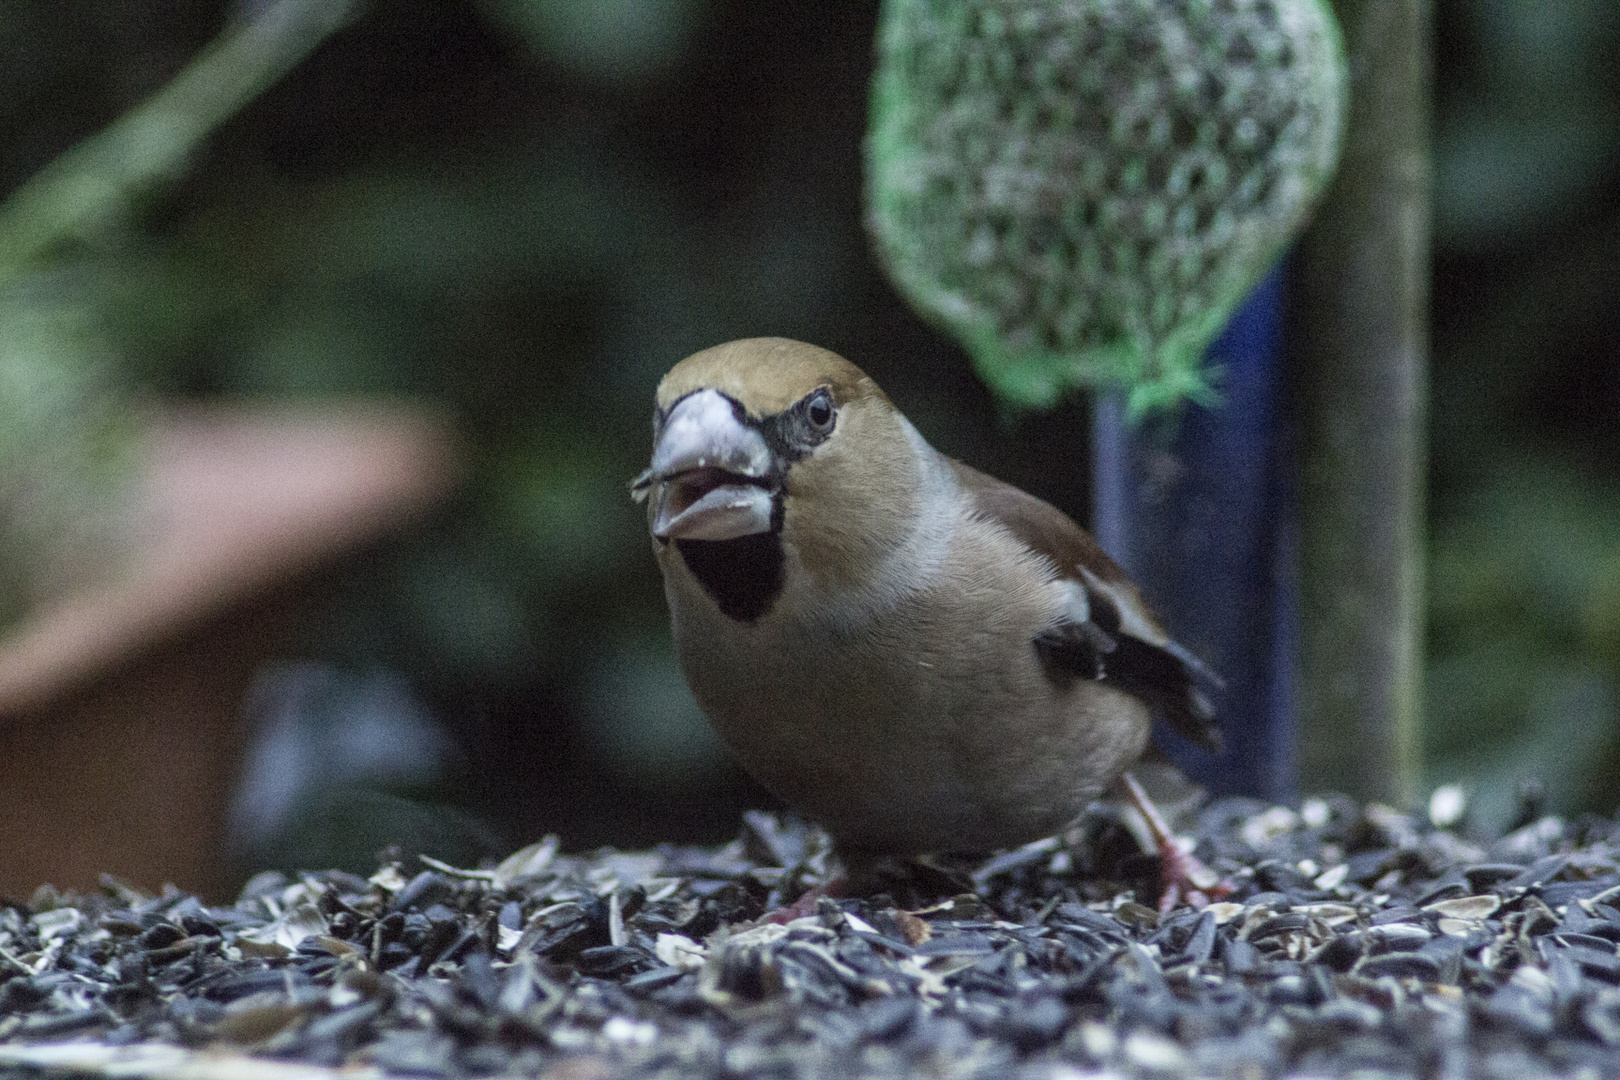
919,657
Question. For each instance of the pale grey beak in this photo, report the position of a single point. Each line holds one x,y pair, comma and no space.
709,473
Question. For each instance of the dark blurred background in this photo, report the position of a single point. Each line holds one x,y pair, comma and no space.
527,210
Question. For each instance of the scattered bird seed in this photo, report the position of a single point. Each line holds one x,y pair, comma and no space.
1354,940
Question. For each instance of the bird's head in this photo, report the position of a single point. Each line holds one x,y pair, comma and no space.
765,444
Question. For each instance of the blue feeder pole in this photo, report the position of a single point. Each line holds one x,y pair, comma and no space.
1198,507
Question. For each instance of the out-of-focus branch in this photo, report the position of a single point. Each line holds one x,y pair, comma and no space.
87,191
1361,335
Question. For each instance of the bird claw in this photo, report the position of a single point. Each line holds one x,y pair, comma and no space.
1182,875
805,905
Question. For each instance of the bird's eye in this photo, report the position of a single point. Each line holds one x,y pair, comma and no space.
819,410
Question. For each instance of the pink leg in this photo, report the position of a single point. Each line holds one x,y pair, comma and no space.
1181,874
806,904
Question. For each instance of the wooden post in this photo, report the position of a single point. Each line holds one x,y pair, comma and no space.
1360,393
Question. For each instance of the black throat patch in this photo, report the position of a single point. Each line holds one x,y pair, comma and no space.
742,576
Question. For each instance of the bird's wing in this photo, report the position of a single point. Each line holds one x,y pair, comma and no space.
1110,633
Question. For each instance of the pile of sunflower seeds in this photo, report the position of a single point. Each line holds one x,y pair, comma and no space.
1354,940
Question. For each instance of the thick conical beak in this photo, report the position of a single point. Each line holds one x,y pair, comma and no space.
709,474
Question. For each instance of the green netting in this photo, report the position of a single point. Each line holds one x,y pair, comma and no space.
1082,190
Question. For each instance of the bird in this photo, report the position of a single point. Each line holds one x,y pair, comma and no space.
917,656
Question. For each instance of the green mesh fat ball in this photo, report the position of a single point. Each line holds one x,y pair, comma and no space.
1083,190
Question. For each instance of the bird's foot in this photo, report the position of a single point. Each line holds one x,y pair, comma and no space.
1182,875
806,903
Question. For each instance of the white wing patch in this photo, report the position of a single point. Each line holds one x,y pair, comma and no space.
1131,619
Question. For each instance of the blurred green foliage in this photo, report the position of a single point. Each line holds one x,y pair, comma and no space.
1525,587
66,433
529,209
627,41
1525,449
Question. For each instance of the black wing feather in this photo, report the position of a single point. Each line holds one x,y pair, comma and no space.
1173,682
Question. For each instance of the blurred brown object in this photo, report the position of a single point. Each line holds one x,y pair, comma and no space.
121,728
